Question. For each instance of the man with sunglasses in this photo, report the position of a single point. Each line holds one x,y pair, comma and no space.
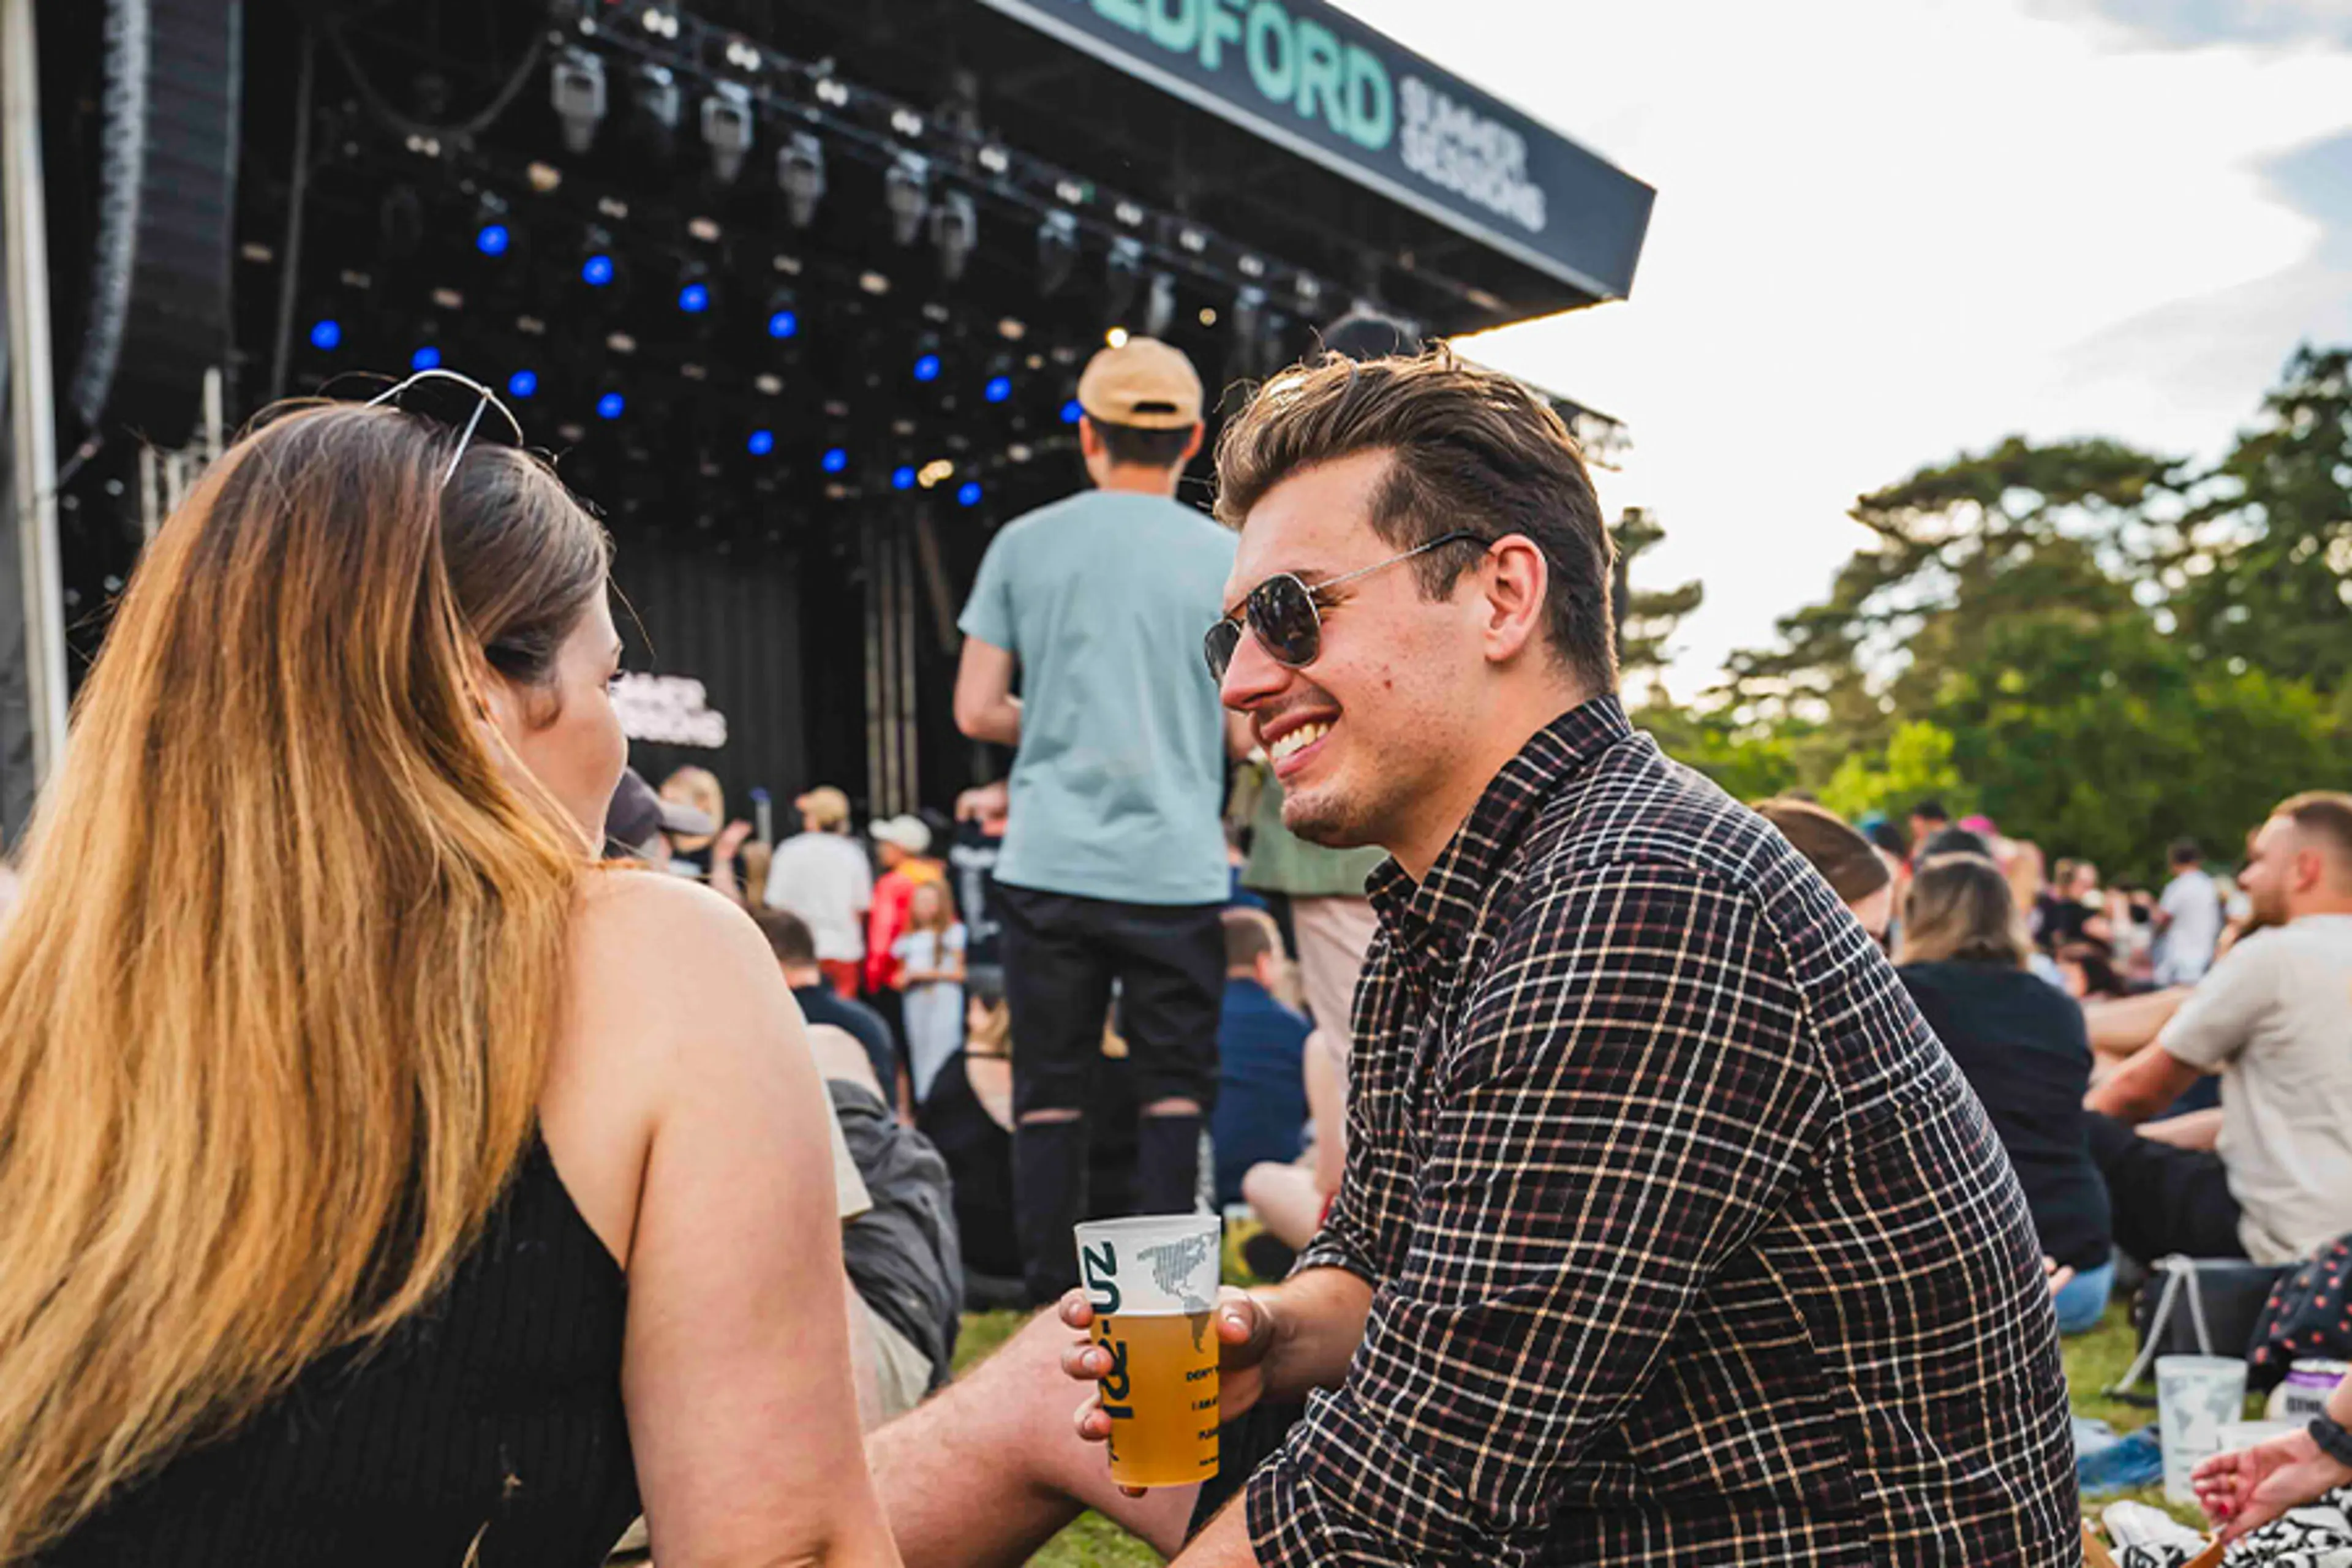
1113,866
1669,1233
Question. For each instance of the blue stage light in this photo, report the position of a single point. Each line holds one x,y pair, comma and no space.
761,443
522,383
694,298
926,368
1071,412
327,334
998,389
835,460
785,324
902,478
968,493
426,358
493,239
612,405
596,271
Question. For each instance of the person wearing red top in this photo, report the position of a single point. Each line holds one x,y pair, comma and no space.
900,844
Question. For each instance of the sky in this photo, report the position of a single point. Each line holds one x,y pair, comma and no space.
1888,231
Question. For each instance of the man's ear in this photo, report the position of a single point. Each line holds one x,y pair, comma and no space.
1512,581
1192,447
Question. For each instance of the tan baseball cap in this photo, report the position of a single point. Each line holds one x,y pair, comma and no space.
825,805
1143,383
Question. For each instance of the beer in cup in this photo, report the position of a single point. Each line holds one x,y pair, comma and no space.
1152,1282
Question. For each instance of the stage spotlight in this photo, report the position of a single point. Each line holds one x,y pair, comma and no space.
654,110
1249,331
598,271
693,294
727,129
1123,275
902,478
427,357
998,390
800,174
326,334
926,366
955,229
612,405
835,460
576,89
1160,305
1057,249
493,238
968,493
1072,413
523,383
907,192
783,315
760,443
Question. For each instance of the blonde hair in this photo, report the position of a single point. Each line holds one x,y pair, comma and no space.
1959,909
947,920
275,1007
701,789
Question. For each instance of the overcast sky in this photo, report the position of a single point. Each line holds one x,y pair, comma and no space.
1888,230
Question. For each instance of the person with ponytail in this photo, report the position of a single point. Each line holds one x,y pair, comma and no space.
357,1202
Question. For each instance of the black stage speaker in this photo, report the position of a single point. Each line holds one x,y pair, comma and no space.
155,286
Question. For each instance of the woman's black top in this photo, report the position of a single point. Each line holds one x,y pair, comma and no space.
2022,1044
980,1159
492,1420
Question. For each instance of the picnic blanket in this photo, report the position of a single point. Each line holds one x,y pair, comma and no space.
2319,1536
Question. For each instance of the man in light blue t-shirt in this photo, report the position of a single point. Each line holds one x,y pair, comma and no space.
1114,865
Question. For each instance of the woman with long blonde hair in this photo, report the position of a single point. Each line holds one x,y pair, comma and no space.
364,1197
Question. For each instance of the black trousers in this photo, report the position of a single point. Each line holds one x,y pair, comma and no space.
1062,955
2164,1200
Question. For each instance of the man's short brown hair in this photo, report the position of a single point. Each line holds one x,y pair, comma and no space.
789,938
2328,814
1469,448
1249,934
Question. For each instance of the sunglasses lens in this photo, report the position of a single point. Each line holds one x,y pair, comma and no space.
1219,645
1282,615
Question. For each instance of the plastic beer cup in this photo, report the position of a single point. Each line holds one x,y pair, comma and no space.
1152,1282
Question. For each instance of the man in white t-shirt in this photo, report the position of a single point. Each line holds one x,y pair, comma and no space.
2273,1019
2187,919
822,874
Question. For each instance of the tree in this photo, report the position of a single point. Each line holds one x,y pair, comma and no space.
1915,763
2261,570
1647,619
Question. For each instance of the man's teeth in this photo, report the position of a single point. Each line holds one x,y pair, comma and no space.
1305,735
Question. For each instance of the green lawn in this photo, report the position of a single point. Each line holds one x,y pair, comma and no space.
2094,1360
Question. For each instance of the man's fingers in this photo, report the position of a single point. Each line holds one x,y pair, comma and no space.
1092,1423
1076,1311
1086,1363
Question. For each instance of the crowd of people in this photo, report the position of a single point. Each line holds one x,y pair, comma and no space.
1637,1177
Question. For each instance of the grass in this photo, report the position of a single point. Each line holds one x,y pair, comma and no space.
2093,1361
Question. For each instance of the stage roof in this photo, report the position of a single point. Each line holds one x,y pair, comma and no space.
1285,124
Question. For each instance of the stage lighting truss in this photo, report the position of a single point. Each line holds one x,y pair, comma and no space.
925,160
1122,276
576,89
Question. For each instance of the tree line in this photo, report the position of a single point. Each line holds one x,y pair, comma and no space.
2101,648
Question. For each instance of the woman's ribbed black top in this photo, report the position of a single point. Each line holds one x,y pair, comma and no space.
490,1422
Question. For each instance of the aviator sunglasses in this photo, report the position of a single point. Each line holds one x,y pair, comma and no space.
1284,613
442,397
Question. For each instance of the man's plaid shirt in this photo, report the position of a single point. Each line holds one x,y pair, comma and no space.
1689,1244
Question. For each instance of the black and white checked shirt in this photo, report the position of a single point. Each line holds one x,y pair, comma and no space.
1689,1244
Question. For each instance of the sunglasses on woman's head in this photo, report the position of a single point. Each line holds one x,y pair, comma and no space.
1284,613
458,402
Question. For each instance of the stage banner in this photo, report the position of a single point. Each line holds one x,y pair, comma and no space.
1324,85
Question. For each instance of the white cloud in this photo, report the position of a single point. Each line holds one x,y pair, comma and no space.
1888,229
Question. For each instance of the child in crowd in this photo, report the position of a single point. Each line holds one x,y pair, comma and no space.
930,959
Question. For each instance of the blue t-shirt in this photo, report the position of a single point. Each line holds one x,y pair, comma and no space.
1119,780
1261,1111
